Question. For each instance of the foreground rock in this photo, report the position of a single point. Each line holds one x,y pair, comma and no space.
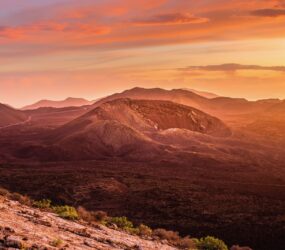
22,227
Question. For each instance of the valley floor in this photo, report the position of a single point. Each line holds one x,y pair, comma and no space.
239,204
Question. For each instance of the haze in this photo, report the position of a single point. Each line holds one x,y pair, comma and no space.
57,48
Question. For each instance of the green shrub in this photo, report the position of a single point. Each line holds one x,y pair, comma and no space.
132,230
43,204
66,212
121,222
211,243
56,243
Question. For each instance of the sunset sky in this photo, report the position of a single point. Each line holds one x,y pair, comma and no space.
91,48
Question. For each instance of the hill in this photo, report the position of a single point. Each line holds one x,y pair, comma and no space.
10,116
217,106
68,102
206,94
127,128
176,95
277,110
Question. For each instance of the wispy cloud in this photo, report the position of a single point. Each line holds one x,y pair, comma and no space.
170,19
269,12
232,67
18,32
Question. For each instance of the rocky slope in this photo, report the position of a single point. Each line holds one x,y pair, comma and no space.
23,227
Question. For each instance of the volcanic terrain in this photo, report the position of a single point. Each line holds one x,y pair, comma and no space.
159,157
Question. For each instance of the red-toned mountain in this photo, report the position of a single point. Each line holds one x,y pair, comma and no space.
10,116
127,128
68,102
206,94
218,106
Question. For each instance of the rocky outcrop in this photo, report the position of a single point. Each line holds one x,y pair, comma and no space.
23,227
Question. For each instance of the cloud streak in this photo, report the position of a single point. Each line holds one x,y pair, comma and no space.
268,12
20,32
170,19
232,67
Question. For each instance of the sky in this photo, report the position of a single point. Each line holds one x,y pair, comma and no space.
53,49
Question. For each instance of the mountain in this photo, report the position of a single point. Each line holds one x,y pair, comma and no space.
127,128
176,95
10,116
202,93
218,106
68,102
278,109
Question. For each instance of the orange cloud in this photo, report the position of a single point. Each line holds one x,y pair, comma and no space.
269,12
27,31
11,33
233,67
170,19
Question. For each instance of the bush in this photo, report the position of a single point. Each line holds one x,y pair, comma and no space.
56,243
4,192
166,235
23,199
85,215
132,230
66,212
175,239
43,204
144,230
92,216
186,243
121,222
100,216
211,243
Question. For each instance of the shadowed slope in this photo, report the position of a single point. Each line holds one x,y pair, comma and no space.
10,116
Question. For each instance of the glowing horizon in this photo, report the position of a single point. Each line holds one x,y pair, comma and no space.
53,49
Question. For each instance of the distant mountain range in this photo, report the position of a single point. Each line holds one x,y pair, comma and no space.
205,101
222,107
202,93
68,102
218,106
